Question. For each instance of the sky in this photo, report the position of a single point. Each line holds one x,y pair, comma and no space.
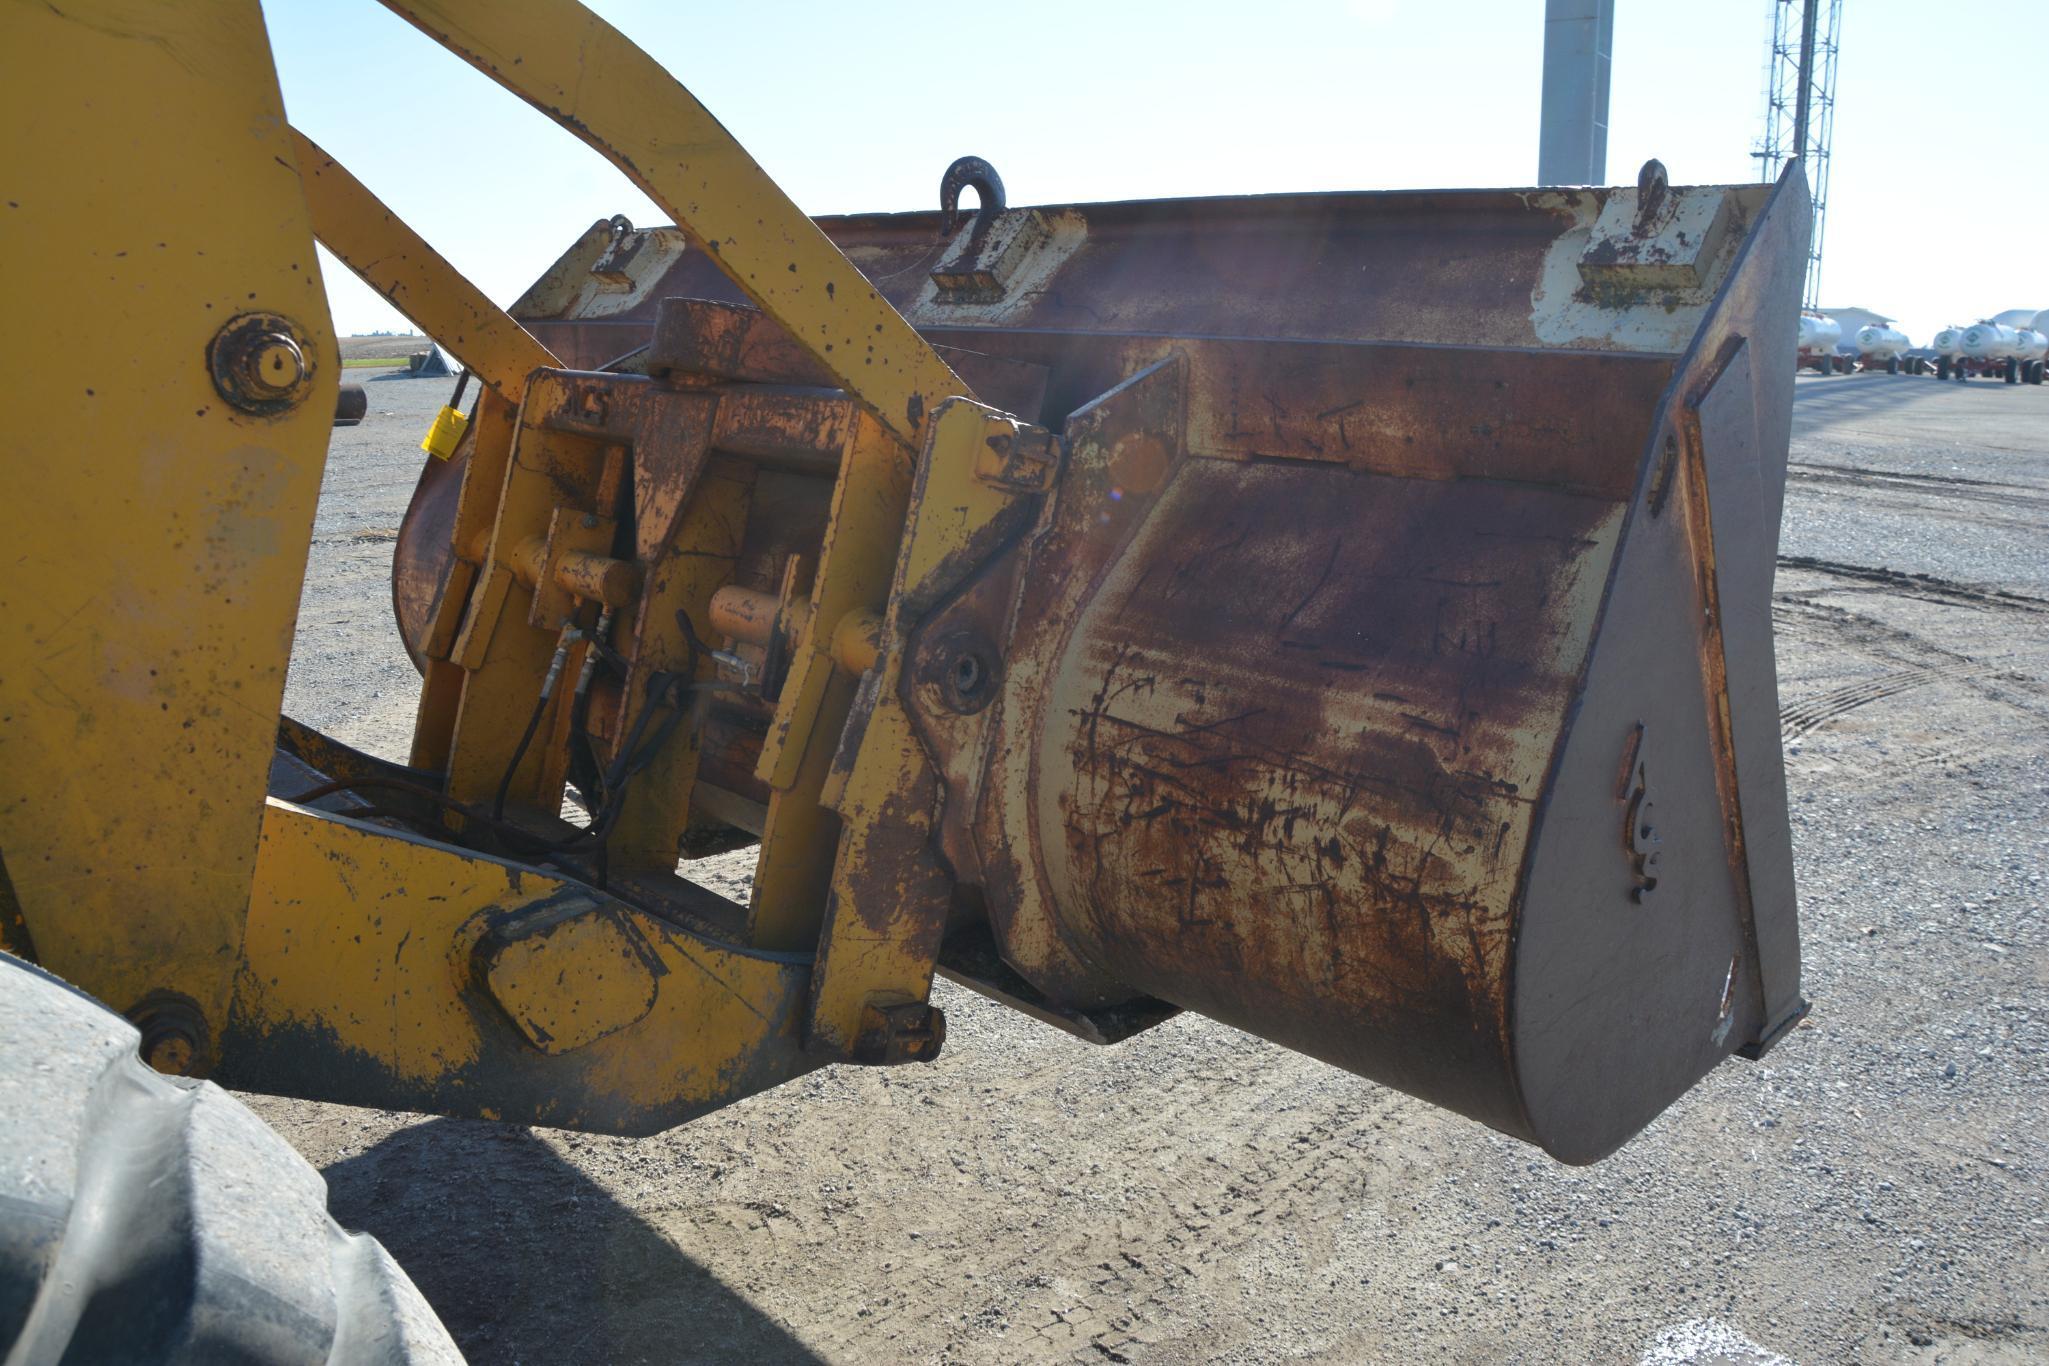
861,106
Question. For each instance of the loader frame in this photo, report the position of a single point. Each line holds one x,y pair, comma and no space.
274,943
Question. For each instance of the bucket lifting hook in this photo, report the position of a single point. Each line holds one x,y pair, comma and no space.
1651,185
964,172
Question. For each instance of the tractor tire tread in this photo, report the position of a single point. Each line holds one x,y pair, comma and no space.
147,1218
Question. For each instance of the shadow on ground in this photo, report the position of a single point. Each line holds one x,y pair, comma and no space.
527,1260
1822,402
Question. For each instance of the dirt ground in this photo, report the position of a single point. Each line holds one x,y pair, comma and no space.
1873,1192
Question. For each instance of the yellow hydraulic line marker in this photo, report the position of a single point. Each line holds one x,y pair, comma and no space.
587,76
395,261
449,424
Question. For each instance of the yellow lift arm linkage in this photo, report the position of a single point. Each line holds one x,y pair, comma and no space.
143,678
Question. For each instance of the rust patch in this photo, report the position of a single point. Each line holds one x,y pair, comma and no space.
1304,720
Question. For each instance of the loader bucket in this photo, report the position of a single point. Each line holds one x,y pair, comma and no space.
1387,668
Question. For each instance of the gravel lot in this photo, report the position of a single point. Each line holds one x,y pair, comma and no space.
1872,1192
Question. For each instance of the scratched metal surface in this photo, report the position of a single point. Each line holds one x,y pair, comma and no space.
1294,747
1294,654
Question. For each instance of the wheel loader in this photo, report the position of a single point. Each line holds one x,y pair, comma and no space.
1343,615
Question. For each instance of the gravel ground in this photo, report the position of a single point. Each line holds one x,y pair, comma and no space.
1872,1192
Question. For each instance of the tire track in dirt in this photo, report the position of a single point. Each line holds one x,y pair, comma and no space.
1929,485
1918,663
1974,502
1926,586
1797,719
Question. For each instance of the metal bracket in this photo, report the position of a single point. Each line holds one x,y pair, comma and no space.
909,1031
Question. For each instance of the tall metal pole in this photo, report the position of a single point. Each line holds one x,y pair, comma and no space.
1809,12
1572,138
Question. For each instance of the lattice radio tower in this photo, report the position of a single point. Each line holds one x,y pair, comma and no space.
1800,105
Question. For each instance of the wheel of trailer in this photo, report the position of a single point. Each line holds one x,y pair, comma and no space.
148,1218
1892,367
1942,368
2013,372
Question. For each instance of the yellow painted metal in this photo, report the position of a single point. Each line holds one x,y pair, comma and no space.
395,261
856,561
887,906
434,718
510,632
155,536
445,434
587,76
571,975
383,950
860,546
576,538
488,439
483,476
857,642
695,563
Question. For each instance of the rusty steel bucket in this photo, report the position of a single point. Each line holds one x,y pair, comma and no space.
1388,671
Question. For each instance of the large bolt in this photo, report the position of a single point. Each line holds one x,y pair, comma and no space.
259,364
169,1050
277,364
175,1039
964,670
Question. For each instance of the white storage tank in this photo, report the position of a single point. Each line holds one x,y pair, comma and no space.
1818,332
1881,343
2030,344
1948,342
1990,341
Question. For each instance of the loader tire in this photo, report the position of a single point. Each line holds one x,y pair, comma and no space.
146,1218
